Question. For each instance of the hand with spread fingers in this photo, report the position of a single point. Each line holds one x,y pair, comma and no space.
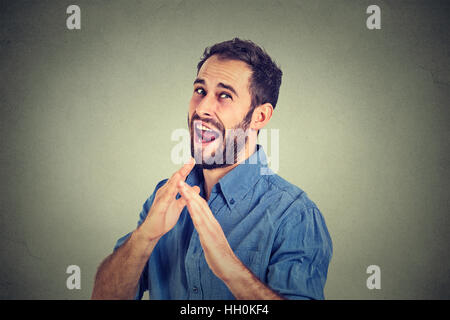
218,253
166,209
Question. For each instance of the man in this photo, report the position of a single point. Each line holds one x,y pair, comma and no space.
225,227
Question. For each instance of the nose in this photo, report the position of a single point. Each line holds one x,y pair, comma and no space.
206,107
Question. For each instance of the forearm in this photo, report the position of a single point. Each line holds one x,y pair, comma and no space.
244,285
118,275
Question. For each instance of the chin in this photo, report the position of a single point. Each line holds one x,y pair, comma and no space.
213,166
209,162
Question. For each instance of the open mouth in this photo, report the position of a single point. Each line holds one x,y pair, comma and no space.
204,134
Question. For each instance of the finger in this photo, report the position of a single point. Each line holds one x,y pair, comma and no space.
203,220
186,168
182,202
198,208
191,193
196,189
194,211
186,190
179,175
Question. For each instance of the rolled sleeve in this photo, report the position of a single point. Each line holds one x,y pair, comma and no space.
301,255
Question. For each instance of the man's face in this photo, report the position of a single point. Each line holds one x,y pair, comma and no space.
219,112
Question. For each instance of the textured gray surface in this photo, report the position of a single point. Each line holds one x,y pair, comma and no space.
86,119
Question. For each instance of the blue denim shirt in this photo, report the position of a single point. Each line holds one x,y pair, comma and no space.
271,225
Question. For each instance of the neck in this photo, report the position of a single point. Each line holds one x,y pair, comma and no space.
212,176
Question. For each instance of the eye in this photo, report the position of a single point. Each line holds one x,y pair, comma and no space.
200,91
224,95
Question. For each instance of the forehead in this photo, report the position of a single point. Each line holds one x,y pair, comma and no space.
233,72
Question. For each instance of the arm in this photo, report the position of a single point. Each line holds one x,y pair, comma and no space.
301,253
246,286
118,275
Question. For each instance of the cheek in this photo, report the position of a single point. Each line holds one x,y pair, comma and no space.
229,117
196,98
192,104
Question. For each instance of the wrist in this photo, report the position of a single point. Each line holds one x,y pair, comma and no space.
142,240
235,272
243,284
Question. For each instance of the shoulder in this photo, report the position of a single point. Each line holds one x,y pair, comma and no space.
160,184
290,206
300,222
287,192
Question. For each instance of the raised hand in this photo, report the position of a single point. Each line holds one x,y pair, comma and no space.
166,209
218,253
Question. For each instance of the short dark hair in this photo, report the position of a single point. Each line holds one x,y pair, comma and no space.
265,81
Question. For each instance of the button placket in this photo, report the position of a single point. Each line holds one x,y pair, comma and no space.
192,265
195,256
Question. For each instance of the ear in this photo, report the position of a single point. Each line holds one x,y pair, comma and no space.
261,116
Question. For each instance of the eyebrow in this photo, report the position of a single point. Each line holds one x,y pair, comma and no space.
220,84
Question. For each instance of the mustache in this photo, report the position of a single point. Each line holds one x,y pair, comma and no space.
212,122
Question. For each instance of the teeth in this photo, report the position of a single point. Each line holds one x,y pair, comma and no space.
202,127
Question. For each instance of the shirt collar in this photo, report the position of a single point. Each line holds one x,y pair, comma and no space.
236,183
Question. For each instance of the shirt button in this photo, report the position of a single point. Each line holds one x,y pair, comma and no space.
232,201
195,289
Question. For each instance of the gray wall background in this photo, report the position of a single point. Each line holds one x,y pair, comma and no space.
87,115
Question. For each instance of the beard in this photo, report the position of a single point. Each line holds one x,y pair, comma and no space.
229,143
